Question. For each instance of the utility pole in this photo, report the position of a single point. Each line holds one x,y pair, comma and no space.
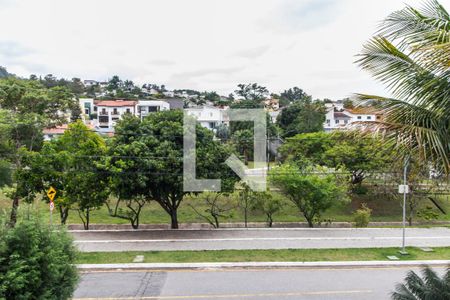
405,190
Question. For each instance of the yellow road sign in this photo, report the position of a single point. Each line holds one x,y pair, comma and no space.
51,193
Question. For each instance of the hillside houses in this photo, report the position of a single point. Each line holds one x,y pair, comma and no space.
340,118
209,116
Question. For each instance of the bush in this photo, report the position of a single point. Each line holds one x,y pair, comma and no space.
36,262
361,216
427,214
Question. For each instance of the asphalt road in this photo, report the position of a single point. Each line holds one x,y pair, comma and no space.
164,240
270,284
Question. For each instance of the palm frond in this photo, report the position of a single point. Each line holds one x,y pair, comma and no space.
412,127
404,77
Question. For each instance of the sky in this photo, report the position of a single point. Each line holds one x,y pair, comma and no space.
197,44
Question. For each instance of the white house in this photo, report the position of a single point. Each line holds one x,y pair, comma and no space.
87,106
110,111
209,116
338,117
89,82
144,107
169,94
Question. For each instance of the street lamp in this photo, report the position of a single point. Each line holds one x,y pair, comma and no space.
404,188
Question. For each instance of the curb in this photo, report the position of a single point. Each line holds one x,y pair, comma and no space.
239,225
259,265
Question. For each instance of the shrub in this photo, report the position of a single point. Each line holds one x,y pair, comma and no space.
36,262
361,216
428,213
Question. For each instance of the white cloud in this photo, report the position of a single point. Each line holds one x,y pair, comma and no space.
201,44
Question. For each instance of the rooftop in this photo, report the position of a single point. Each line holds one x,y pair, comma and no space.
115,103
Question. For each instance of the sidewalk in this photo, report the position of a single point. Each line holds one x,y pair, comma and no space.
259,265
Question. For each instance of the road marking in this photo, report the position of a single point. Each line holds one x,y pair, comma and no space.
264,239
227,296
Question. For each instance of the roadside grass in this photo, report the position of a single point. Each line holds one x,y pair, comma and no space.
383,210
288,255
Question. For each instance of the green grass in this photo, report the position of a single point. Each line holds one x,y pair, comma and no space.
383,210
289,255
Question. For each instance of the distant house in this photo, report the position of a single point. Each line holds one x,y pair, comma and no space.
51,133
55,132
209,116
144,107
175,103
110,111
337,117
169,94
87,106
89,83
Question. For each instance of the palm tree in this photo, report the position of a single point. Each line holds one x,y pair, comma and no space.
431,286
411,56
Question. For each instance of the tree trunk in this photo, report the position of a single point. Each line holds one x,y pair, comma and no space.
15,207
86,225
174,218
216,221
64,214
245,218
269,220
135,222
310,221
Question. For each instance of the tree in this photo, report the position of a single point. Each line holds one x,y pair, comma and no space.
156,144
268,203
291,95
244,196
347,151
28,107
72,165
128,171
253,96
218,205
312,191
243,142
348,103
429,286
411,55
36,262
114,83
302,116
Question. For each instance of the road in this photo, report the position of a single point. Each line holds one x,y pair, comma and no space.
269,284
164,240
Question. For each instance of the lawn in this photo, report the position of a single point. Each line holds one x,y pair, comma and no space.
383,210
288,255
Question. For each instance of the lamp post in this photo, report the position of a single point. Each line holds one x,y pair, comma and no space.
405,189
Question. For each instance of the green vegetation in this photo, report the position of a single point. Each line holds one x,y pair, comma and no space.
430,286
36,262
383,210
299,255
411,56
302,116
362,216
311,192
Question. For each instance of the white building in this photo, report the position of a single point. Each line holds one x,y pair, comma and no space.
87,106
144,107
338,117
209,116
110,111
89,82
